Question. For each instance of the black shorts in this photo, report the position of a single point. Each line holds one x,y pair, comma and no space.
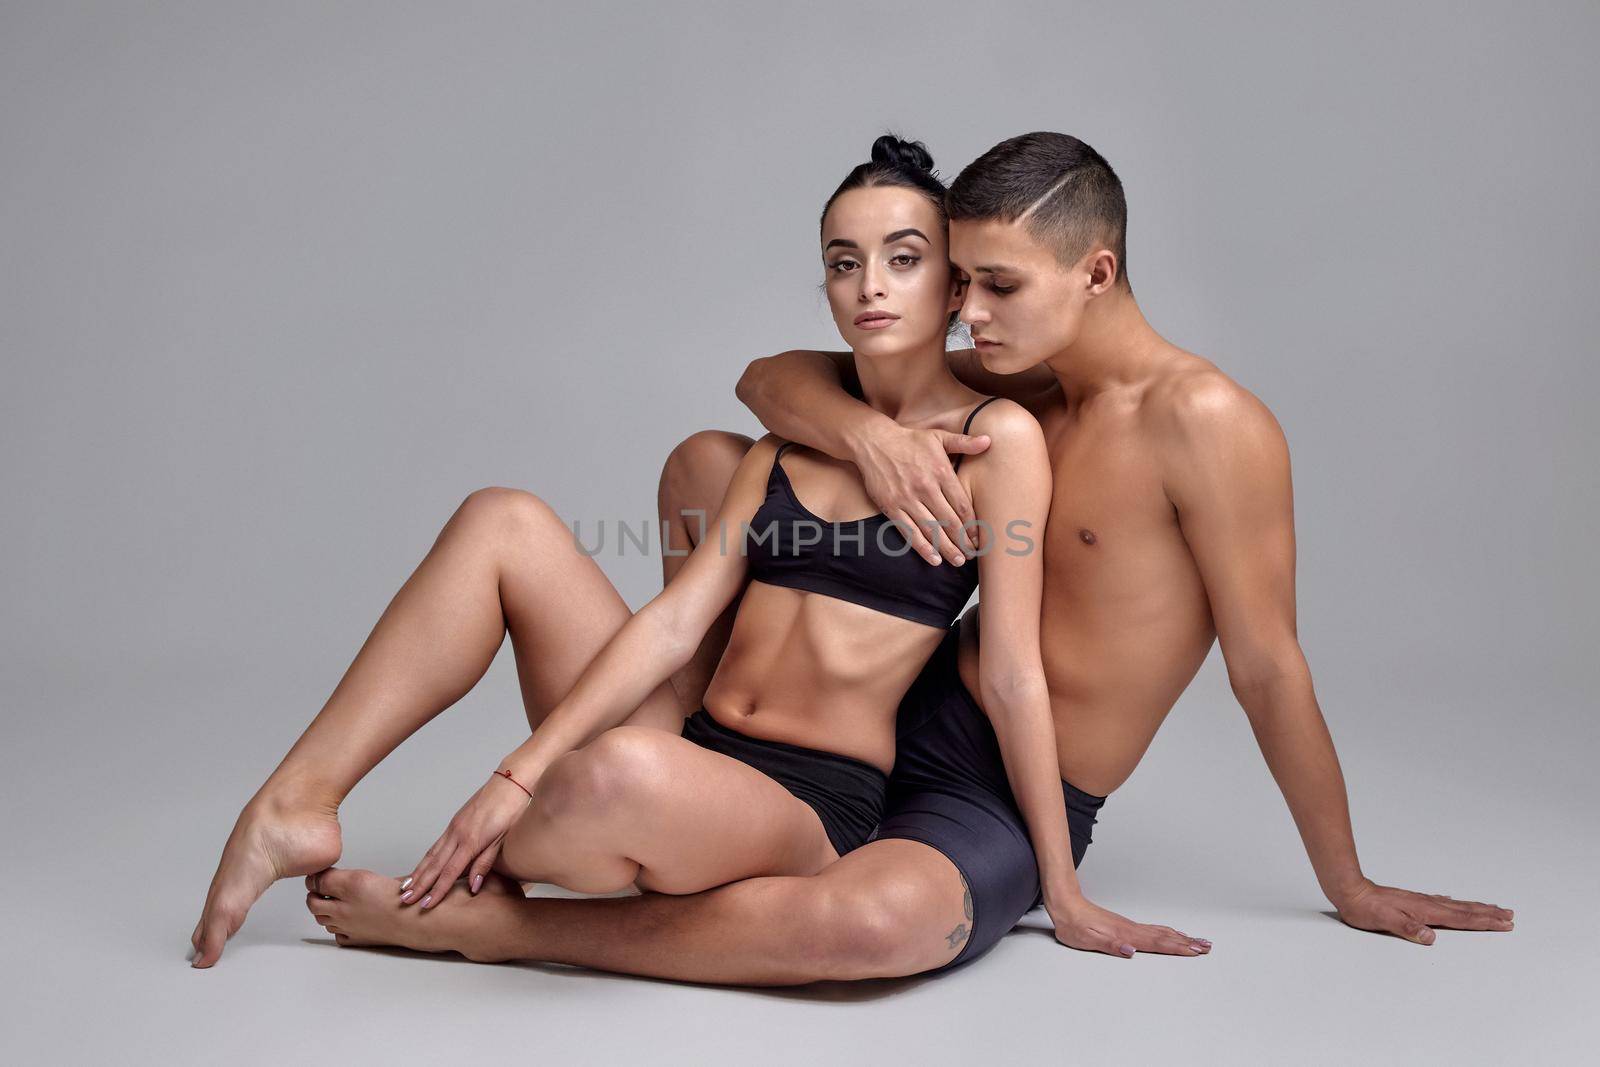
949,790
846,793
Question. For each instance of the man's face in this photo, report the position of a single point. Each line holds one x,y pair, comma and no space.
1021,304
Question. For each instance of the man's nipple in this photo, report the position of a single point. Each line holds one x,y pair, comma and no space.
1087,536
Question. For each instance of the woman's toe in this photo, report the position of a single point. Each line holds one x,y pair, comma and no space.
338,882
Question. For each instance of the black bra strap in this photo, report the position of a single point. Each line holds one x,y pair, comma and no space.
776,467
967,426
975,411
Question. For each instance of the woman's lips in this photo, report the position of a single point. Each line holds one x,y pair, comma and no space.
876,320
984,342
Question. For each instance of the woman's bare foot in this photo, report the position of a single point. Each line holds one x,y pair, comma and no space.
363,908
278,835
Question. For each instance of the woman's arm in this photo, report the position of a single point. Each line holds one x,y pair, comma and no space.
661,637
1012,483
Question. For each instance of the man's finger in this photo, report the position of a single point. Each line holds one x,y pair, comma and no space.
1410,928
954,544
966,444
1477,907
960,503
217,925
914,537
931,531
1458,917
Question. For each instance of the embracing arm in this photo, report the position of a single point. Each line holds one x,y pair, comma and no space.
810,397
1228,477
814,397
660,638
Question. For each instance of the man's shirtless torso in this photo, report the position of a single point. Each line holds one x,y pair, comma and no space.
1126,623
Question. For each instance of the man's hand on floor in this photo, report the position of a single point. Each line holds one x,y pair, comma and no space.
1387,910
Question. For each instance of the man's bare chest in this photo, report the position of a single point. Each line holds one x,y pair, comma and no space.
1109,512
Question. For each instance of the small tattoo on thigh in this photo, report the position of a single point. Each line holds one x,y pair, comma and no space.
957,937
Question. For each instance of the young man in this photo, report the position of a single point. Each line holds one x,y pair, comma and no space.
1171,527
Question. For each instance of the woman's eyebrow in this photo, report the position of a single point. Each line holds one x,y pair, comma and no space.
888,238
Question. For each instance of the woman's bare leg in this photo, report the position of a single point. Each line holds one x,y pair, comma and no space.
504,562
889,908
642,807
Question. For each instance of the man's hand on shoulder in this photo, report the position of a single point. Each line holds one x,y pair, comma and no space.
907,472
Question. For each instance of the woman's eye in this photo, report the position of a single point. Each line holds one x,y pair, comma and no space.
840,266
904,260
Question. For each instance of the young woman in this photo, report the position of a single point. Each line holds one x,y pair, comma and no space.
782,769
785,767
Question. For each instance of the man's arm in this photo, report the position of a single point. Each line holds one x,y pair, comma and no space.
1228,476
814,397
810,397
1025,387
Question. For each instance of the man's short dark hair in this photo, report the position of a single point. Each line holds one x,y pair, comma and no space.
1064,192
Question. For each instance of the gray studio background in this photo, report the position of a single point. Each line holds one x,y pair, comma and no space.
282,283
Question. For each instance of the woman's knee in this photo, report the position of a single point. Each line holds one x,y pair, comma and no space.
698,470
496,510
604,778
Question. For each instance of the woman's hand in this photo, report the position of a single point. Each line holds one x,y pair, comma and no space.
473,836
908,474
1094,929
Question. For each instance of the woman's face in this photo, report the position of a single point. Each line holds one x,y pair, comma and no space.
888,270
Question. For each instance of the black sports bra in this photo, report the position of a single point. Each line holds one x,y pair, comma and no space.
865,561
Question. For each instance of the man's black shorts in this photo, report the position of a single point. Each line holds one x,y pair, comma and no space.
949,791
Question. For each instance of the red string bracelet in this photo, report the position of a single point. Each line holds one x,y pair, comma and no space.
507,776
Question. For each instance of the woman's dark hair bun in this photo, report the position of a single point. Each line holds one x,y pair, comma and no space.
895,162
896,152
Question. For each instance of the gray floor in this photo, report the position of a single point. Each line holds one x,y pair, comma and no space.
115,865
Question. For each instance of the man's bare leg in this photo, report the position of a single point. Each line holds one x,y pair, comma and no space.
889,908
504,562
